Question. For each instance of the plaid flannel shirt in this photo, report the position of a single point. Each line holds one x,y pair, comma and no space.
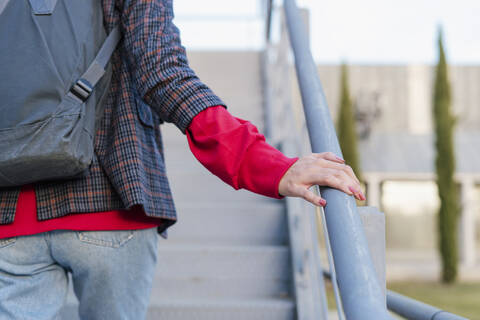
151,83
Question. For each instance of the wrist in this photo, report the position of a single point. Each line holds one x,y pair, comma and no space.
281,193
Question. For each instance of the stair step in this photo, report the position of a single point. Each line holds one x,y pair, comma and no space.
220,288
255,262
265,309
258,309
255,224
222,271
191,187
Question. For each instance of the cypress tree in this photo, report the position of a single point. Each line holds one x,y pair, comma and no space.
346,128
444,123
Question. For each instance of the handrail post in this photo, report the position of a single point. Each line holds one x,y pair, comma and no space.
268,22
361,293
267,95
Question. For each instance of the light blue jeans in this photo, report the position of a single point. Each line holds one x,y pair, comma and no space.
112,273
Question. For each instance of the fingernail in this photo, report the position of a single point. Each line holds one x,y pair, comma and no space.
363,196
322,202
339,159
353,190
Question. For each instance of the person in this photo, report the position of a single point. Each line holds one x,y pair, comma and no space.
103,228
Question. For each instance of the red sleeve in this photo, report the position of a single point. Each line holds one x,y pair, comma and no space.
234,150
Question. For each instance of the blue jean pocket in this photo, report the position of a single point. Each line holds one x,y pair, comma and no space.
111,239
7,242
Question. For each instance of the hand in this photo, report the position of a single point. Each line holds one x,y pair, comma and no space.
324,169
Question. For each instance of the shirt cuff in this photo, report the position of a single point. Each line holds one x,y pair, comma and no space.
234,150
262,169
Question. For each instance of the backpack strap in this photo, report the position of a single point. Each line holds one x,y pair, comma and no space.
84,86
3,4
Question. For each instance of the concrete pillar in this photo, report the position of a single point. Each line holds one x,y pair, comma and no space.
373,191
419,99
467,223
374,225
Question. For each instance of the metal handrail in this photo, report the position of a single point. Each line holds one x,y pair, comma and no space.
362,296
361,293
309,287
412,309
415,310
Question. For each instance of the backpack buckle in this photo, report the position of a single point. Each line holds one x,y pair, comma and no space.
82,89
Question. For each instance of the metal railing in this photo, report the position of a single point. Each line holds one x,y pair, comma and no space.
360,291
415,310
362,296
412,309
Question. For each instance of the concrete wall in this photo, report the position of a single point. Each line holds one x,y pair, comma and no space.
235,77
403,95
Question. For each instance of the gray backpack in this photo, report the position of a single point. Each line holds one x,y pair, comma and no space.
53,53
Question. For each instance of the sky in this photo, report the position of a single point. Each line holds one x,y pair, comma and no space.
364,32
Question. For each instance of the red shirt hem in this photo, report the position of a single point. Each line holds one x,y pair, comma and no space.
26,222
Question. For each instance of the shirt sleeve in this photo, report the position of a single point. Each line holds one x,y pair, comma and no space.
234,150
158,62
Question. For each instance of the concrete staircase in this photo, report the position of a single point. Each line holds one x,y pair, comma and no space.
227,256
